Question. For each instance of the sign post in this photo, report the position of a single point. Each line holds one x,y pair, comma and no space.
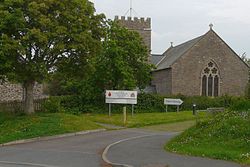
110,109
124,116
121,97
173,102
133,109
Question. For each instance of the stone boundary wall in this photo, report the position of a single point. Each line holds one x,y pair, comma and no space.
14,92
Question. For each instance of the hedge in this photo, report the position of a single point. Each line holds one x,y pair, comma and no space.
146,103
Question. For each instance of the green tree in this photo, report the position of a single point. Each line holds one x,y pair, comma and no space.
36,36
123,63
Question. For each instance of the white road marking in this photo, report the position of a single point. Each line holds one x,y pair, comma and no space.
25,164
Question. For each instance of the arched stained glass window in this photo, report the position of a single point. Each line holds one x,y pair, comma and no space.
210,85
204,85
216,86
210,80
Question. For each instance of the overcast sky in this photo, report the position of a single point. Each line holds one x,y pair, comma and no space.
181,20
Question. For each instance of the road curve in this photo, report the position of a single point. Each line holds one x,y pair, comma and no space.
73,151
139,148
148,152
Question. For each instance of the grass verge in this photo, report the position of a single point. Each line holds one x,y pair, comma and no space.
144,119
171,127
14,127
226,137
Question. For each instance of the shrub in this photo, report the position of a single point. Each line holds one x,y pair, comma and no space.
240,105
146,103
150,103
53,105
69,102
72,104
154,102
202,102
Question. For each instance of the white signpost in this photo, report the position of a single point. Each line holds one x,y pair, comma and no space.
172,102
121,97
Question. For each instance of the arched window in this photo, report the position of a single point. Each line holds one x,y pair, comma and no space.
204,85
210,85
210,80
216,86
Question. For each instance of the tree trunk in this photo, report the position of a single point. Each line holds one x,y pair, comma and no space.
28,102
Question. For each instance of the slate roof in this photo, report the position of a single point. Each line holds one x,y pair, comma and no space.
155,58
174,53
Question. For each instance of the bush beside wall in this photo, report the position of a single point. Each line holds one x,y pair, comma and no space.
146,103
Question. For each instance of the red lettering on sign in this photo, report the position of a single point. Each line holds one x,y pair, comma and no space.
132,95
109,94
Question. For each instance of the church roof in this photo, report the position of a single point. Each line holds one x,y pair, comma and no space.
155,58
174,53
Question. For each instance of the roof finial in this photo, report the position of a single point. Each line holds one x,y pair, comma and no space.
172,44
131,8
211,26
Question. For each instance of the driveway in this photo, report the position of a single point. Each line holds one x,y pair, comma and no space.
86,151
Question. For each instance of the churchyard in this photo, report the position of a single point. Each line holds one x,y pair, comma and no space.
62,66
218,135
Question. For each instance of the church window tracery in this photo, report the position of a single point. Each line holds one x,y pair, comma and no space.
210,80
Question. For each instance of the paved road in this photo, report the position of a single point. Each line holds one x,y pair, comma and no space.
77,151
148,152
86,150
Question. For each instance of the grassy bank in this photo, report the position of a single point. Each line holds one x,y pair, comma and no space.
13,127
144,119
226,137
171,127
17,127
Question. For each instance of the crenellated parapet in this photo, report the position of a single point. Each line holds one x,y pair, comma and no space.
141,25
134,22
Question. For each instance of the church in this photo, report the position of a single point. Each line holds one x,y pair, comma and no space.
203,66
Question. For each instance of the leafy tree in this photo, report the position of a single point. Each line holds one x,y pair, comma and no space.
36,36
123,63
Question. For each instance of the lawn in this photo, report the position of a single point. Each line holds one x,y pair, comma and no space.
17,127
13,127
226,137
144,119
172,127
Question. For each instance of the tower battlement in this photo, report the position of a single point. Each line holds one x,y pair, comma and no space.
134,23
141,25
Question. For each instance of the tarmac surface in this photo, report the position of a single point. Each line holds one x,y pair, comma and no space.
135,147
148,152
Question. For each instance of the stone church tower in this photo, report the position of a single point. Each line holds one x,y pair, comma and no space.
140,25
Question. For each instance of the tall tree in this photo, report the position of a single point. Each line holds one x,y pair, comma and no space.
37,35
123,63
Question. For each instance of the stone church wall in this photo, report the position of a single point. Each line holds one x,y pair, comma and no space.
186,71
162,80
14,92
